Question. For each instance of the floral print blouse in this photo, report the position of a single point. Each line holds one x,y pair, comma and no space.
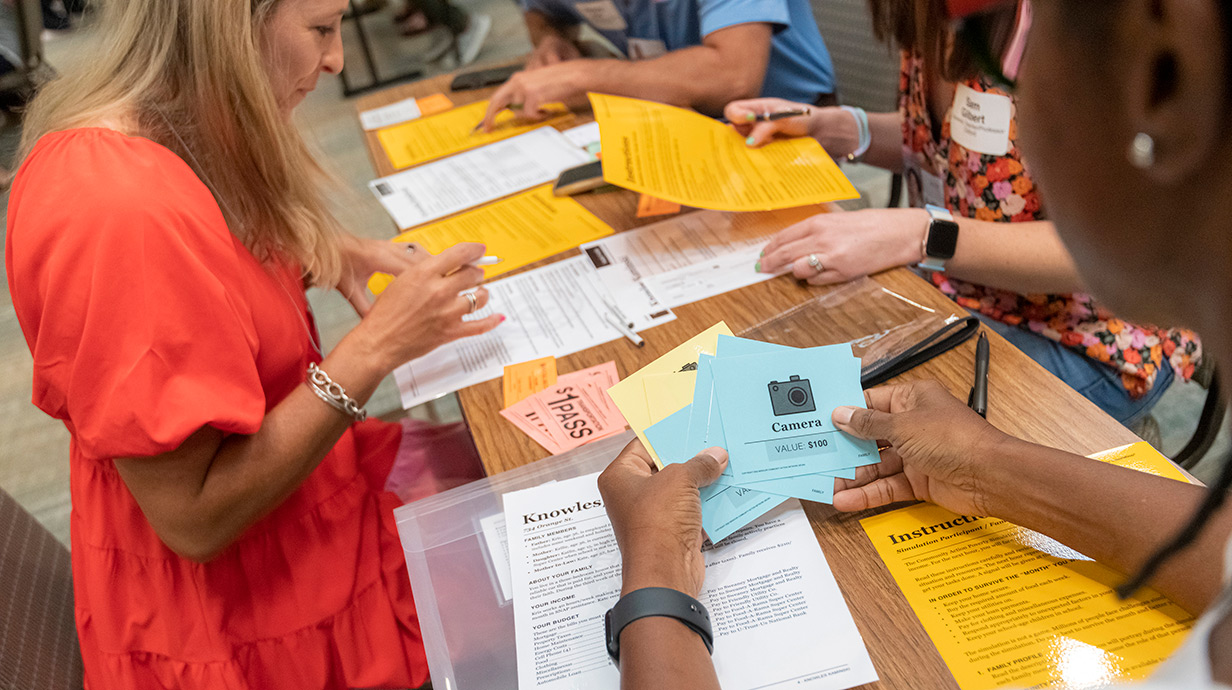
1000,189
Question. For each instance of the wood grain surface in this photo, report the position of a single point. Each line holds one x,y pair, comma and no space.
1024,400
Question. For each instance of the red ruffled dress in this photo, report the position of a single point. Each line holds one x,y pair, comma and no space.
147,320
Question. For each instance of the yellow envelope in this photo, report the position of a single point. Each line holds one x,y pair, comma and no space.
452,131
630,394
685,157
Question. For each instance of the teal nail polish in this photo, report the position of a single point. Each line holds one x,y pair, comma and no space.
762,254
757,268
750,117
749,141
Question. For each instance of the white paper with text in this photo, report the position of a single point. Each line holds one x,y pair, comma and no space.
778,616
555,310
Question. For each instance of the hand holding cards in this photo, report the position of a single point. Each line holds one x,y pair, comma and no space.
769,406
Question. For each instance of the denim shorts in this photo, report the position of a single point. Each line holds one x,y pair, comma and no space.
1096,381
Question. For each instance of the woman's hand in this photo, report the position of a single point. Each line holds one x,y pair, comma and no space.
657,517
940,450
423,307
361,257
849,244
834,128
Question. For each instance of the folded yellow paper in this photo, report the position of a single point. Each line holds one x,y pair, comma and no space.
527,378
685,157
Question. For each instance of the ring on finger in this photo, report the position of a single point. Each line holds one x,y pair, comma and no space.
815,263
410,249
470,296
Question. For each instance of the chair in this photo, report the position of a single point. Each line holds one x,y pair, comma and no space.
866,69
1209,421
38,637
375,81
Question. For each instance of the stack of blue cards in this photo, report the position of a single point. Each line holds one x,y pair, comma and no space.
769,406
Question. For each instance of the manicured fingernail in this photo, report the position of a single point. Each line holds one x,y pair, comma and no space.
842,415
763,253
503,317
749,117
750,141
757,267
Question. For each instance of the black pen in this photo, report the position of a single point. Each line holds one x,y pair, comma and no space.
978,400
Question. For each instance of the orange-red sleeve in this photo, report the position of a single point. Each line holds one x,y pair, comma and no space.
128,287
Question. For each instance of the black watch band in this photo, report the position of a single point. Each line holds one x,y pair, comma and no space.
656,601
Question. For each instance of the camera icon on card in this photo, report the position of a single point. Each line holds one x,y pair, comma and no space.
791,397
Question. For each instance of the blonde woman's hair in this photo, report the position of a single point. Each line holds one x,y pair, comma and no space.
190,75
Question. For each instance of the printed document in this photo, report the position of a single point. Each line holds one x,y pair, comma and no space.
475,177
521,230
694,256
555,310
1008,607
683,156
778,616
447,133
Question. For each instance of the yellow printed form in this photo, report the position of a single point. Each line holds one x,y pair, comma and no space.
447,133
1006,606
630,394
685,157
520,230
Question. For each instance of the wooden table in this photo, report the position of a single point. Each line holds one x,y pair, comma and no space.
1024,400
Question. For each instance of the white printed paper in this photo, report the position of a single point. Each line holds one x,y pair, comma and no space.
497,541
391,114
444,187
583,136
555,310
691,257
981,121
779,619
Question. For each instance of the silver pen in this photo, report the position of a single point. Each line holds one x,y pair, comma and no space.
624,329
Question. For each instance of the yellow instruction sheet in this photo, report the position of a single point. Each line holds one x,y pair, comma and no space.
521,230
630,394
685,157
1006,606
447,133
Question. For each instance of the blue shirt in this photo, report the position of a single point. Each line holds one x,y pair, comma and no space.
799,69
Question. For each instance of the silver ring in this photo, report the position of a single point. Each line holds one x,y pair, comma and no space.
815,263
474,302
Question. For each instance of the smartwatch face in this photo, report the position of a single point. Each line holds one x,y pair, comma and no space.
942,239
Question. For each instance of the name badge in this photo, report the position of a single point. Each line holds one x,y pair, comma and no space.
602,15
981,121
646,48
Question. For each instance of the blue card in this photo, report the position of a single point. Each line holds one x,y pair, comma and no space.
725,509
776,408
706,430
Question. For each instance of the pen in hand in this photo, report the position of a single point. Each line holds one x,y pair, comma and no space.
978,400
768,116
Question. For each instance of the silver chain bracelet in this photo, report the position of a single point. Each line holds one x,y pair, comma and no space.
334,395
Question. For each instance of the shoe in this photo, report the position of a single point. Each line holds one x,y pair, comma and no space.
470,41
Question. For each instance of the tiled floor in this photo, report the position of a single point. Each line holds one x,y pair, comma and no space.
34,448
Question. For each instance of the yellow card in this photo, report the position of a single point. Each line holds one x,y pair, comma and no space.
630,394
649,206
1006,606
685,157
528,378
521,229
431,105
447,133
668,393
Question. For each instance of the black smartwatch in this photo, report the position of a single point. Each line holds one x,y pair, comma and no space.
656,601
940,240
